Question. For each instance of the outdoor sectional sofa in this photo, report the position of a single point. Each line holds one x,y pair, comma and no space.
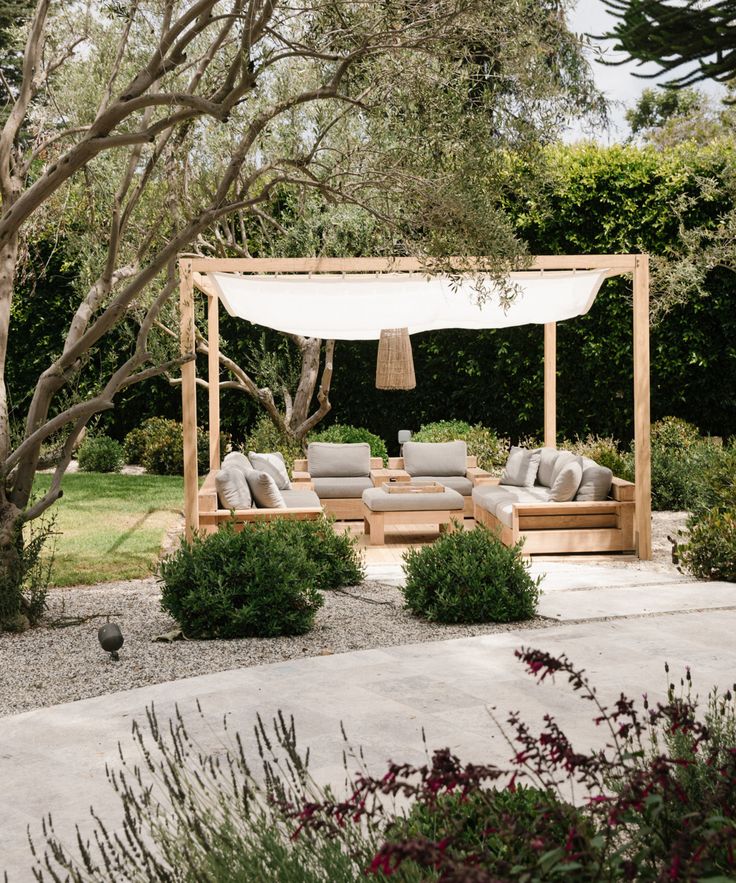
557,502
253,488
339,473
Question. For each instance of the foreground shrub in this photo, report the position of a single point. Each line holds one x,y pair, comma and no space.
469,576
483,443
341,433
257,582
266,438
334,554
158,445
709,551
99,453
656,803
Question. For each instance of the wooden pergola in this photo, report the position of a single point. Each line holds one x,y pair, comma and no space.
193,270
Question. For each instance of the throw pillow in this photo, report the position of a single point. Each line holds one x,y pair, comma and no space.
521,467
236,460
232,489
274,465
547,460
264,490
595,483
566,482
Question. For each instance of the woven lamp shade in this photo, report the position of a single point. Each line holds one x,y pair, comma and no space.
395,364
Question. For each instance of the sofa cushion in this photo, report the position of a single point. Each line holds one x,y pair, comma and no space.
340,488
264,490
236,460
298,499
500,500
567,481
458,483
232,489
377,499
595,483
332,460
521,467
562,459
274,465
547,459
435,458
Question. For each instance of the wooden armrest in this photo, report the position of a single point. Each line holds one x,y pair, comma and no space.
300,475
622,490
475,474
300,465
484,479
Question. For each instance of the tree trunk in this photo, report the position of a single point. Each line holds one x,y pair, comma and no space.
8,263
11,568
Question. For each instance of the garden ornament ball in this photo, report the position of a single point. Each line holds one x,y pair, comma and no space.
111,639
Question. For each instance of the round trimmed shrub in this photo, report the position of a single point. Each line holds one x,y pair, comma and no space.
709,551
469,576
342,433
257,582
334,553
490,450
158,445
99,453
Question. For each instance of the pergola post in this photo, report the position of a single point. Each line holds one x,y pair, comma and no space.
213,377
550,385
188,397
642,444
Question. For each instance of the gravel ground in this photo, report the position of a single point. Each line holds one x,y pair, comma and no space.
51,665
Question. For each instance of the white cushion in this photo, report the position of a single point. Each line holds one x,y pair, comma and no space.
567,481
236,460
562,459
521,467
547,460
232,489
274,465
264,490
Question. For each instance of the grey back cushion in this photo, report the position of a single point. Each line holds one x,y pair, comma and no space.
332,460
274,465
567,481
232,489
562,459
264,490
595,483
435,458
521,467
547,460
236,460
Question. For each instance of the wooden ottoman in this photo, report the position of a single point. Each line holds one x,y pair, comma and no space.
409,505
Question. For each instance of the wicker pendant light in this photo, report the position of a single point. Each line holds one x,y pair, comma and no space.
395,364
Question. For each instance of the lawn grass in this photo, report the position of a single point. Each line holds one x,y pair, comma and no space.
111,526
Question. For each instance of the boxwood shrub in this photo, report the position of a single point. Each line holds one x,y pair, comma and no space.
99,453
709,551
257,582
334,553
469,576
158,444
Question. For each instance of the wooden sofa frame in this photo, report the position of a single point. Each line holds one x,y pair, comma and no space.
351,509
562,528
211,516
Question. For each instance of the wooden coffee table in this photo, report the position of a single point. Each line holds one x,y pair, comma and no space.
409,504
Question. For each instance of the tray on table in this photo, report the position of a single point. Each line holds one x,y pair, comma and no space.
405,488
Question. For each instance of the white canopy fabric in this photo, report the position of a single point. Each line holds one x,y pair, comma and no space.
357,307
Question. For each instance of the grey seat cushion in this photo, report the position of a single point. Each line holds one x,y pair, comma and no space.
340,488
264,490
521,467
297,499
274,465
458,483
567,481
232,489
499,500
435,458
330,460
379,500
595,483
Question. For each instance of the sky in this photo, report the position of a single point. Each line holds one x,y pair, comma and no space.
617,83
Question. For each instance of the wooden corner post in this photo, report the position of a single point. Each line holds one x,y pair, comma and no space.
213,377
642,430
188,397
550,385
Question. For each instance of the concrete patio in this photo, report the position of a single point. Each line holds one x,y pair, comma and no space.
620,623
